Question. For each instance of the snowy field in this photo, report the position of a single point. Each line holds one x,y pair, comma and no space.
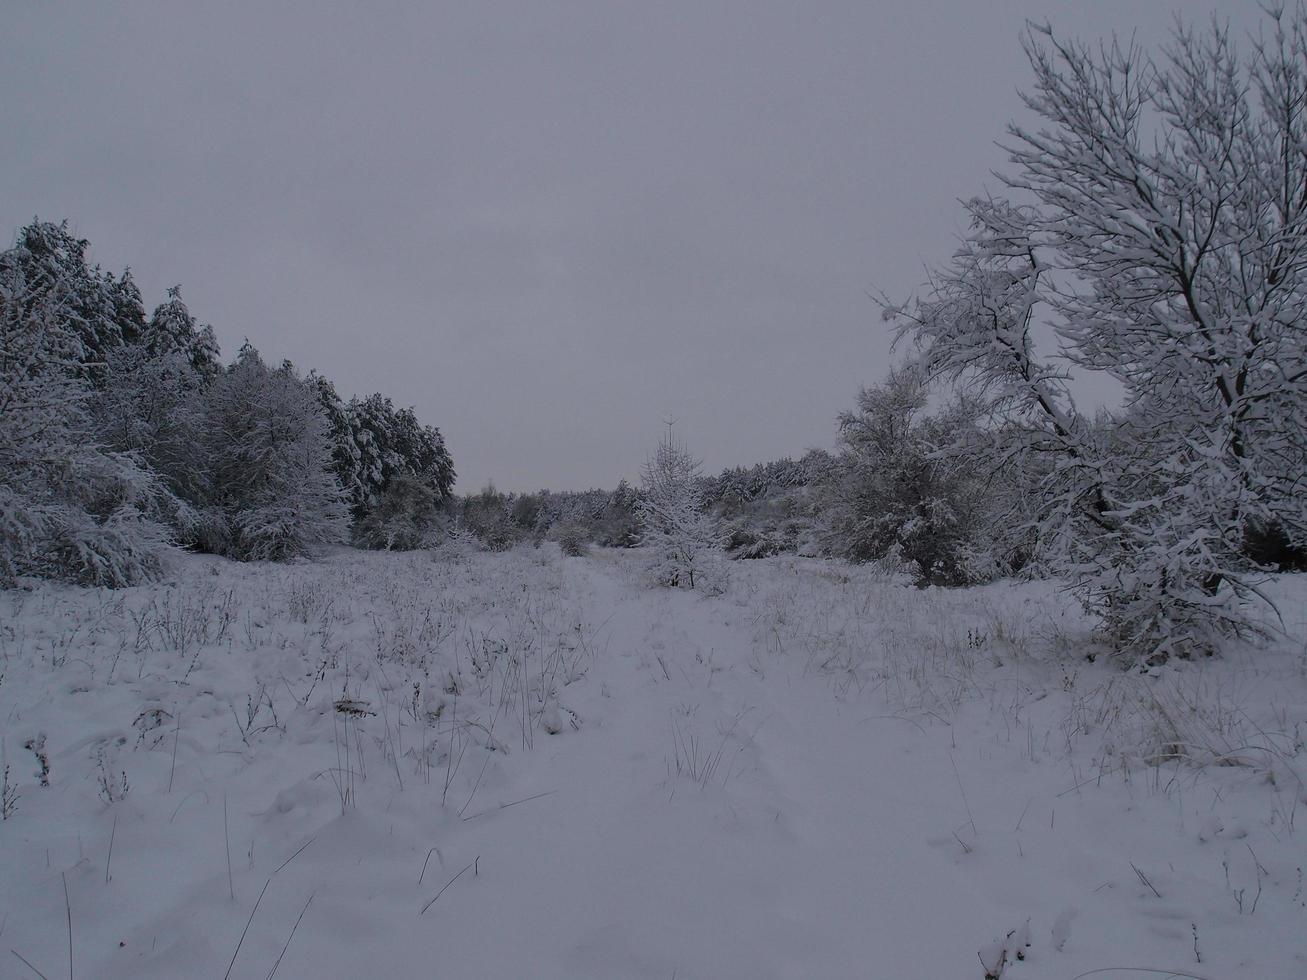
524,765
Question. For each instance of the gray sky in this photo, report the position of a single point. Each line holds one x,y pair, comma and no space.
545,225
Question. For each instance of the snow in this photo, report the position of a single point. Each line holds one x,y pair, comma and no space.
821,772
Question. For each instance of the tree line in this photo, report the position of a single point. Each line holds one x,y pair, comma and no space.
122,435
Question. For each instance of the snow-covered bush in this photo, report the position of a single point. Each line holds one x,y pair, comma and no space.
488,515
1166,246
572,539
891,489
406,516
618,522
684,539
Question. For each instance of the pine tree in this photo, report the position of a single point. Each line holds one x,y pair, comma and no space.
346,438
172,330
389,444
684,539
101,313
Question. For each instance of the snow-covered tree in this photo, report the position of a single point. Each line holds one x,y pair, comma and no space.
406,516
892,492
1158,225
271,456
391,443
68,508
172,330
153,408
374,446
100,312
685,540
346,454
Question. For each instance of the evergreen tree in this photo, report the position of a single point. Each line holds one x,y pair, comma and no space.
101,313
392,443
172,330
684,539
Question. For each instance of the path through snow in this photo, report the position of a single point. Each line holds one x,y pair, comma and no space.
739,796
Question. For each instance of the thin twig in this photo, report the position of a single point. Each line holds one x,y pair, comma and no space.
176,738
231,888
962,789
29,965
226,975
447,884
505,806
1023,814
296,854
434,850
109,860
291,936
68,910
1144,878
477,784
1140,969
185,798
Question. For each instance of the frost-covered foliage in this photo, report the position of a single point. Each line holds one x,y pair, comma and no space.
893,493
499,521
69,509
1166,246
407,515
608,518
742,485
770,508
270,450
392,442
153,407
375,446
495,520
173,331
685,540
121,434
346,455
99,313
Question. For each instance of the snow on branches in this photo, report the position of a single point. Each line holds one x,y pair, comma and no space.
1157,223
684,539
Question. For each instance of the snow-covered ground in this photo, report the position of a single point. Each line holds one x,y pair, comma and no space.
523,765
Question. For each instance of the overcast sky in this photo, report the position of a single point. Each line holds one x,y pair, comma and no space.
547,226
